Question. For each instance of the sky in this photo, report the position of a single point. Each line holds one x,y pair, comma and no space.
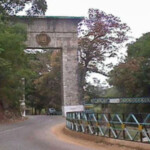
136,13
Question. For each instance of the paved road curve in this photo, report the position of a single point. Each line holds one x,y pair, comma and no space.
34,134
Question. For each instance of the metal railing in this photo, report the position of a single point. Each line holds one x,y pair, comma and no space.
132,127
105,100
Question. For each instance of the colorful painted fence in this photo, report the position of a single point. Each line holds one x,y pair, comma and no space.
132,127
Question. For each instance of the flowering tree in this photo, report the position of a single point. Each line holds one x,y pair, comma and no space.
101,35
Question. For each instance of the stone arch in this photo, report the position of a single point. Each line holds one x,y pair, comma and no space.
58,33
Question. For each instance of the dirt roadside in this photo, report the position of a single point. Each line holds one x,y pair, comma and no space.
90,141
12,121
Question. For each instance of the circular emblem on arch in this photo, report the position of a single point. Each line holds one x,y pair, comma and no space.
43,39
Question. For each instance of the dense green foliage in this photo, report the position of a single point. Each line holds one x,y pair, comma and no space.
140,48
13,63
132,77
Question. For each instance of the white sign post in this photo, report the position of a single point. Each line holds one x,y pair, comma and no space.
76,108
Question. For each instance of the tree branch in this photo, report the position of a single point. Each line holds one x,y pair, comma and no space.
97,71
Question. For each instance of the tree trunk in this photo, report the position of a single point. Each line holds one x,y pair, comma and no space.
35,111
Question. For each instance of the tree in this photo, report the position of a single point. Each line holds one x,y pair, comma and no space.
14,64
12,7
100,37
125,77
140,48
93,91
132,77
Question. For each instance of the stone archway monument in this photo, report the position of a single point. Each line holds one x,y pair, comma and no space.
58,33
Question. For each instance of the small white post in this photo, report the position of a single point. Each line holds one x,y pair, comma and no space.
22,102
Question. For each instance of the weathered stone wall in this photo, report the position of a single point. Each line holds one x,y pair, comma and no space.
63,35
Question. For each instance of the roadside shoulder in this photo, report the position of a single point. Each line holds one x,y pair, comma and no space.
95,142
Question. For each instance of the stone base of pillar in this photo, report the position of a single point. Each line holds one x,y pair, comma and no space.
74,108
24,113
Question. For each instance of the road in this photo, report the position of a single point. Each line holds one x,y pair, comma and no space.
34,134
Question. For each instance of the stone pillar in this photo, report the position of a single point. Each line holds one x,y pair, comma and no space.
70,89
